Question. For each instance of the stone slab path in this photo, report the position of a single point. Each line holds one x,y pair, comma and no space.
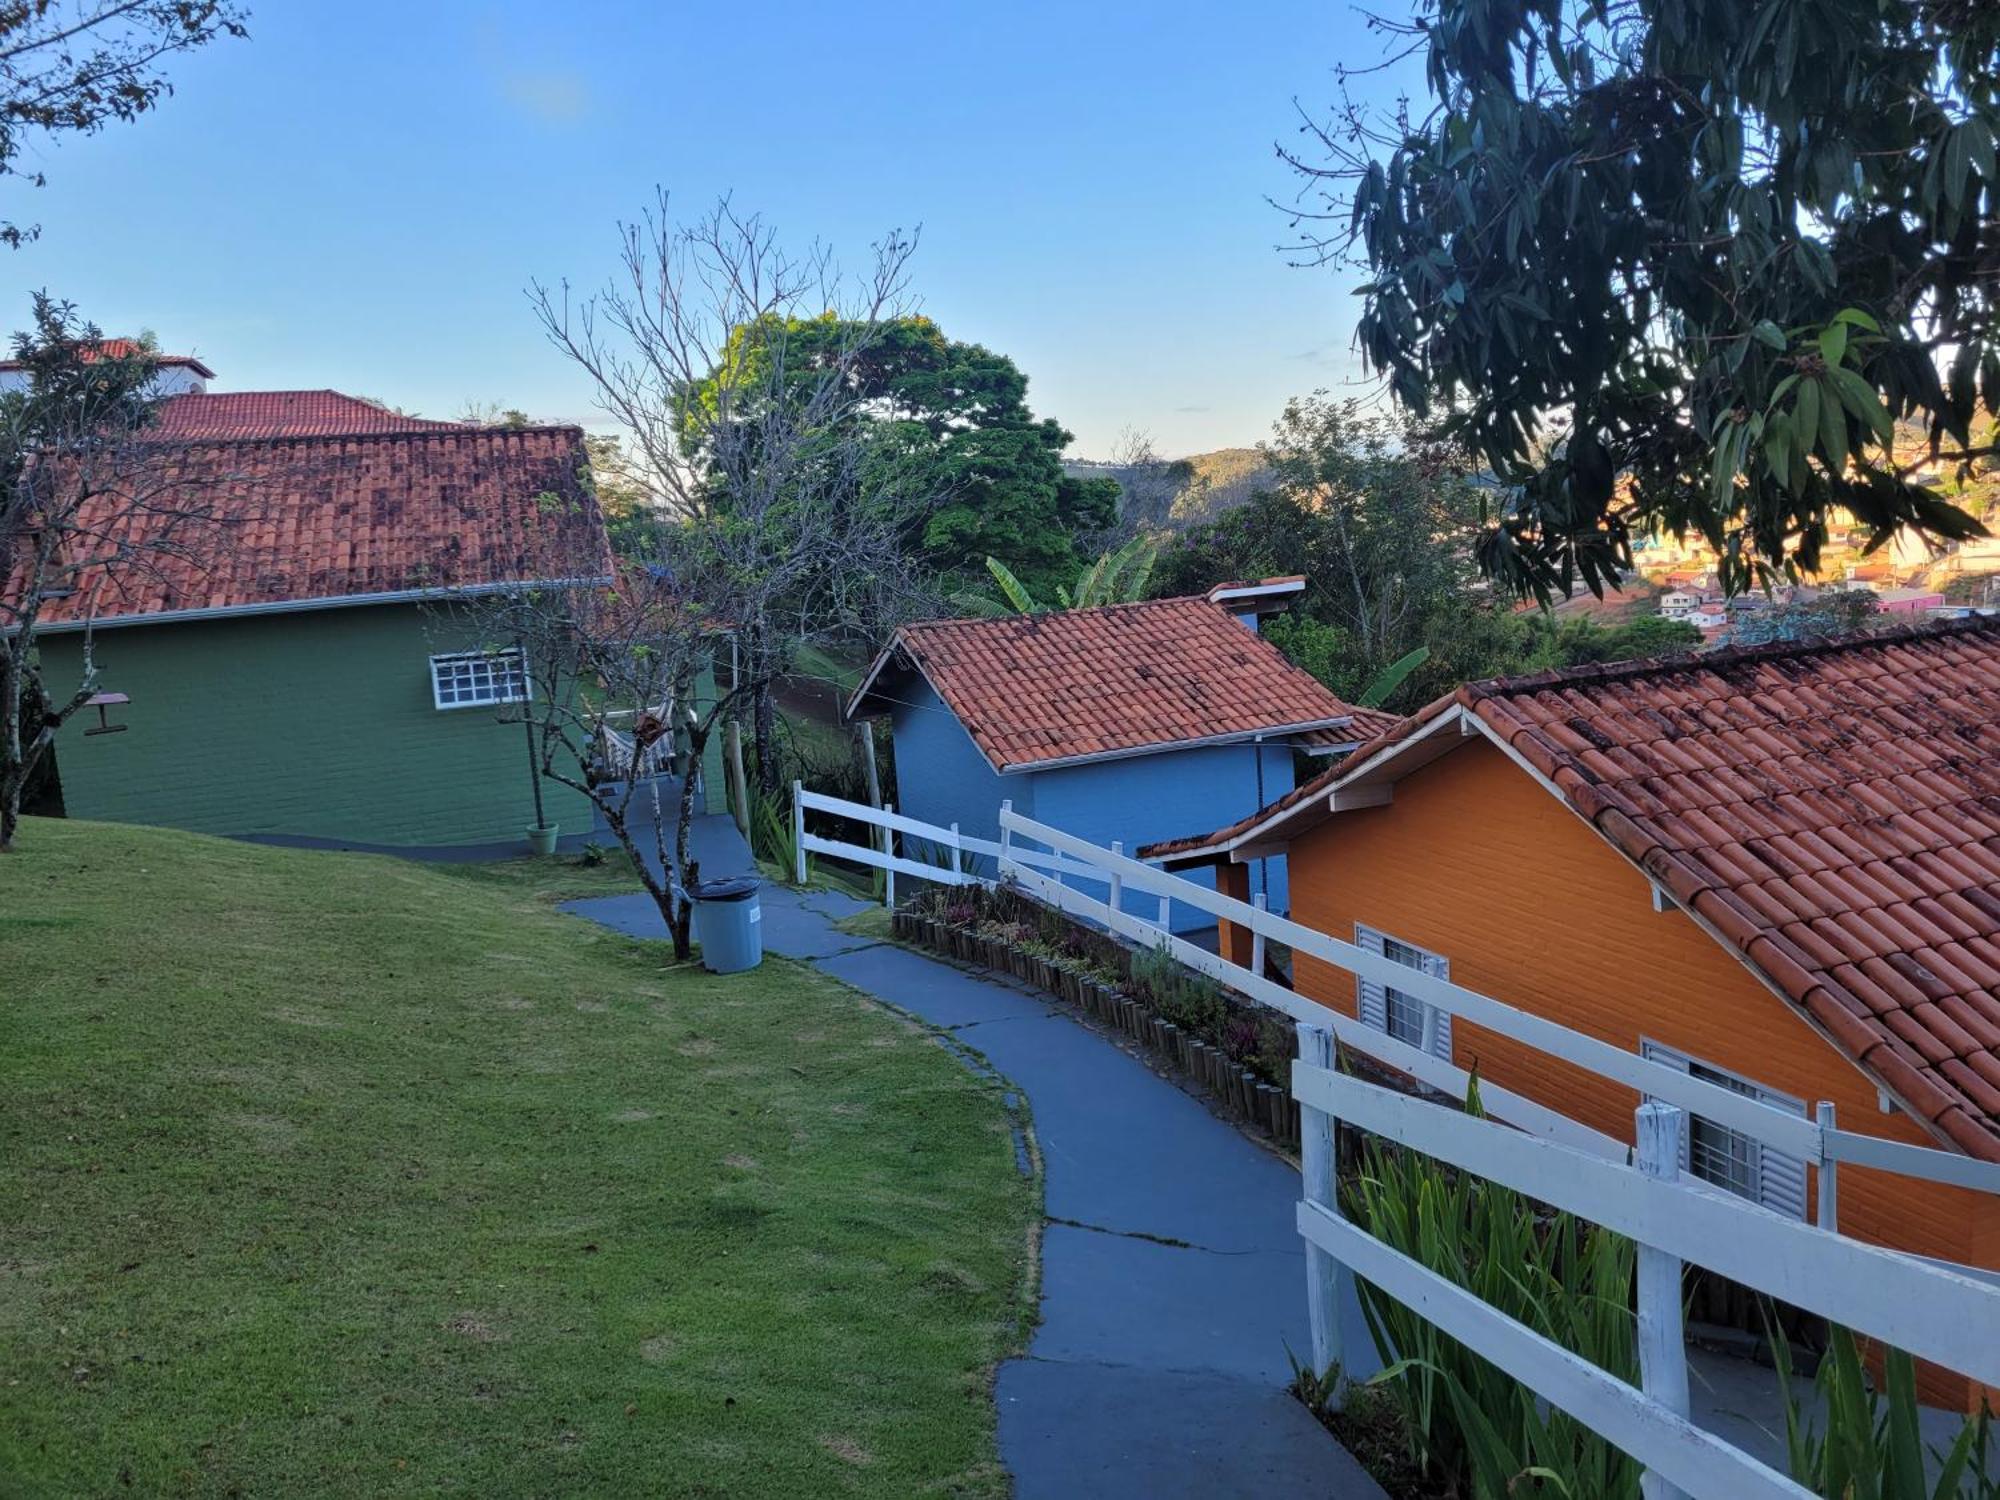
1173,1281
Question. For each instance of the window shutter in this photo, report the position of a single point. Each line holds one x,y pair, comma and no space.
1373,1004
1440,1019
1654,1052
1781,1179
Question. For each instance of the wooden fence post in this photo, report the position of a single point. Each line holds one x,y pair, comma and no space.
1326,1279
1116,899
888,848
1006,836
1663,1371
799,829
1828,1217
957,859
739,785
1262,903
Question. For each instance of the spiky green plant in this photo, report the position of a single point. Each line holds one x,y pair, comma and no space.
1475,1429
1867,1444
771,837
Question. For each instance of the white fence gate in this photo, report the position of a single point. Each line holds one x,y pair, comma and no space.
1947,1315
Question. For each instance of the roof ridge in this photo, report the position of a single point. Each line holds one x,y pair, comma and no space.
447,430
1043,614
1726,656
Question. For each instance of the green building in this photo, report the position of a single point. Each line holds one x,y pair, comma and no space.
303,681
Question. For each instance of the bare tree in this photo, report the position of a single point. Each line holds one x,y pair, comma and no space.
607,659
96,515
735,364
1148,486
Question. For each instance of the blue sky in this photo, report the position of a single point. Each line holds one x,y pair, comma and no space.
357,196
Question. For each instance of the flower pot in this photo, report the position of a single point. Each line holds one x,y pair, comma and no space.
542,838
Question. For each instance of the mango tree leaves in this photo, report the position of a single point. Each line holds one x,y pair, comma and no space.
1713,251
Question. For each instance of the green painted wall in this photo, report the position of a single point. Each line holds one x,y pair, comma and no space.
318,723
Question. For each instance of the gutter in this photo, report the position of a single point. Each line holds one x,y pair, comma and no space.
299,606
1242,736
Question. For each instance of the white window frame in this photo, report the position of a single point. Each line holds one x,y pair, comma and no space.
1377,1006
498,677
1776,1181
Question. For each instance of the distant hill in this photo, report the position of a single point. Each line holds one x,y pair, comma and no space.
1183,492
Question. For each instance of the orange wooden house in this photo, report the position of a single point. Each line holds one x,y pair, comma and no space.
1777,868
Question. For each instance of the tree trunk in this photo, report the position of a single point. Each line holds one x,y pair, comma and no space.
765,722
687,872
13,762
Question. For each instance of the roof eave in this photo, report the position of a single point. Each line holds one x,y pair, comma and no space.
1163,747
299,606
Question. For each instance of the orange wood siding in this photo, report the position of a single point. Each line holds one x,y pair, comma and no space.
1477,862
1237,944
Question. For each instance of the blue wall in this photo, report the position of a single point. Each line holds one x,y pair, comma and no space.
940,775
942,778
1144,798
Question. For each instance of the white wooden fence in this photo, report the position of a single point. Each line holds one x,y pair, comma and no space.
1935,1312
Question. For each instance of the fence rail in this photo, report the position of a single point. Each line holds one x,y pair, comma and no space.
1935,1311
1050,874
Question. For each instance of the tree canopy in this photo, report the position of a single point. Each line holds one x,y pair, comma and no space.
1381,520
1681,264
949,423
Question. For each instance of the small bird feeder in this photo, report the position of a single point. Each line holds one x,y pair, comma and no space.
104,703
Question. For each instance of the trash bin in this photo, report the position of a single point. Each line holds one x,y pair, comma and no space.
729,924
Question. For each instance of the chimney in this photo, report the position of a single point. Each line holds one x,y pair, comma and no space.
1250,602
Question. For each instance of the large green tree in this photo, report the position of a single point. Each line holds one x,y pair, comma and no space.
947,426
1680,264
1381,520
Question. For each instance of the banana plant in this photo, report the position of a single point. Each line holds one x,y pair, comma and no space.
1391,677
1117,577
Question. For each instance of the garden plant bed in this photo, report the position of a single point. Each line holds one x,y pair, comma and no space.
1236,1053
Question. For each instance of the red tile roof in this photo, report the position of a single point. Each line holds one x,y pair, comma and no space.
1086,684
1830,812
126,349
308,520
1367,724
232,415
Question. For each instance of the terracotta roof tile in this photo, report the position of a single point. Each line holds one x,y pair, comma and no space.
320,518
1869,771
1120,679
1832,810
233,415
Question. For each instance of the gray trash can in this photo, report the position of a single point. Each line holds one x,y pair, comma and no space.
729,924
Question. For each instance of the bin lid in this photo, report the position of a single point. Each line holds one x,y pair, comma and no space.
732,888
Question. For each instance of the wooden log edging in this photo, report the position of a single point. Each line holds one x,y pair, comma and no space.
1234,1089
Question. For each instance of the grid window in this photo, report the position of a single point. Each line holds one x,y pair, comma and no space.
468,679
1717,1154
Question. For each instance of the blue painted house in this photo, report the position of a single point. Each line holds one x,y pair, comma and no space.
1131,722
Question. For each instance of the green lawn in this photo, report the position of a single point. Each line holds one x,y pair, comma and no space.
331,1174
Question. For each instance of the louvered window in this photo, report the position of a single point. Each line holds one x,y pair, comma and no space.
1729,1158
1387,1008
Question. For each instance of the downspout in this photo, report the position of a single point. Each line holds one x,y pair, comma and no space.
1263,871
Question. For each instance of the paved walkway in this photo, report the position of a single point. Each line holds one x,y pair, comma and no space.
1172,1277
